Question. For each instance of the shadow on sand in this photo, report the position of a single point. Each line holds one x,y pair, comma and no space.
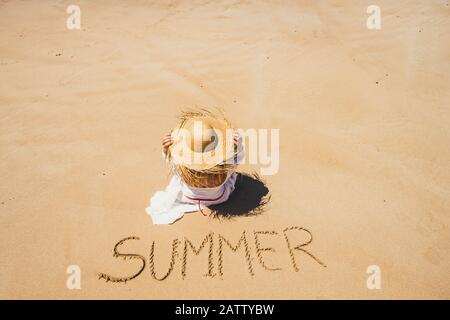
250,197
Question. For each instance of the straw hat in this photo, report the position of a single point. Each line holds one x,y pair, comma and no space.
202,141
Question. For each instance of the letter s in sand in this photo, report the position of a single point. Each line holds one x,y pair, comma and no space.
125,256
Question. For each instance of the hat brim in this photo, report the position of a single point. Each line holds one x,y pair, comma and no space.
182,154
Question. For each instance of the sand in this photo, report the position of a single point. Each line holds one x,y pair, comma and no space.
364,125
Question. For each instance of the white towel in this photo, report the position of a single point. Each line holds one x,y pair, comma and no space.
171,204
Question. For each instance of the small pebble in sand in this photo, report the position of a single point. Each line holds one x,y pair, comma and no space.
377,82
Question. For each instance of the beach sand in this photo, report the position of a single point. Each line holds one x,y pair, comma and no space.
364,119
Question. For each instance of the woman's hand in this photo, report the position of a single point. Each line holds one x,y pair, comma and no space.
167,141
236,137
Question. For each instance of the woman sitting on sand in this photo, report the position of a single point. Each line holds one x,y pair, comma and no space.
203,162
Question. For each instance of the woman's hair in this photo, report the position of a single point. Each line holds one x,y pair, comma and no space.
203,179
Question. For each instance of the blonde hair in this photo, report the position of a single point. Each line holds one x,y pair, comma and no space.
201,179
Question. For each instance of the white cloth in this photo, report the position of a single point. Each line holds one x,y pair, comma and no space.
171,204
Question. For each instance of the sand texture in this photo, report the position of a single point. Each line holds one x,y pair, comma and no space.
364,119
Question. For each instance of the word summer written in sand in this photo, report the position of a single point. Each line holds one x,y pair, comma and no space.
214,244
